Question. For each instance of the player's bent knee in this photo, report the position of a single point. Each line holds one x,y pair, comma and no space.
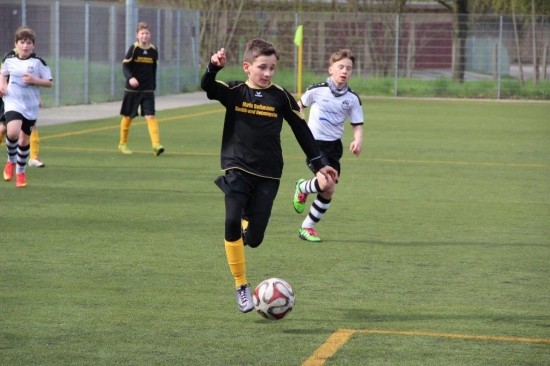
253,244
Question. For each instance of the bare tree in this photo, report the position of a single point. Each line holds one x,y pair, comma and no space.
459,8
506,7
379,49
538,11
518,49
535,55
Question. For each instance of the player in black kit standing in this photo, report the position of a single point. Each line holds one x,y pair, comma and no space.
251,153
140,71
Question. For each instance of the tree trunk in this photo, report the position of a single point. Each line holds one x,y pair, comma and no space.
235,22
545,61
460,33
518,49
411,48
535,58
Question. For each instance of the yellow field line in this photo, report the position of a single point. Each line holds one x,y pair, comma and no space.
300,158
91,130
341,336
147,152
329,348
407,161
455,162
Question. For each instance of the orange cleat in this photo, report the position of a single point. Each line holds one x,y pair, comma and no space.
20,180
8,171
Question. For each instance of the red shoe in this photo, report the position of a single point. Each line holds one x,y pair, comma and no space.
8,171
20,180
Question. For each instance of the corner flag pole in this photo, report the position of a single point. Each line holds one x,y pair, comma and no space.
298,42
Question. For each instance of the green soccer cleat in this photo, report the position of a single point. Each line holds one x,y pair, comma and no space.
124,149
157,150
299,197
309,234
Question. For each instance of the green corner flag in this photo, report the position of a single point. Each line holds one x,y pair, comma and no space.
298,36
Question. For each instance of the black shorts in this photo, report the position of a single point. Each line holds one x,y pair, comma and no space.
133,100
247,196
331,153
27,125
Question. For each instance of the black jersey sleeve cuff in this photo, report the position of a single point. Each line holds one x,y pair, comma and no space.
211,68
317,163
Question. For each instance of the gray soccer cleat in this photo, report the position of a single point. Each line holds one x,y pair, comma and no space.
244,299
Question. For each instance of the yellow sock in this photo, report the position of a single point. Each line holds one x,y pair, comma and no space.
35,144
153,126
124,129
2,138
235,258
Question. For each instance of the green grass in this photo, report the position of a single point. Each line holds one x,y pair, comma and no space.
440,228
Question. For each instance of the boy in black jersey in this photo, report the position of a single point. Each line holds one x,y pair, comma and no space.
140,70
251,154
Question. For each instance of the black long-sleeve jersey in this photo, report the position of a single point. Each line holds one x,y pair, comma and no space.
141,63
251,139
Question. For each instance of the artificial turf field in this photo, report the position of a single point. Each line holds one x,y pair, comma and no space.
436,248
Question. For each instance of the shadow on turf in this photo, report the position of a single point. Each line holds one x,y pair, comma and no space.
309,331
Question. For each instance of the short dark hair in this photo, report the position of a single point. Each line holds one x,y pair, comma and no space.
259,47
25,33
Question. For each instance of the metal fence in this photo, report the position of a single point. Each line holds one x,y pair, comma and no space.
406,54
84,43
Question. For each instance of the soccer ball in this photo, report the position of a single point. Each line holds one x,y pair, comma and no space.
274,298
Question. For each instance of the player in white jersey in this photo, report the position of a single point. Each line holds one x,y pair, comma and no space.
332,102
34,160
21,76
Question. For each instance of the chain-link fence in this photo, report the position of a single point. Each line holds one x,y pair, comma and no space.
84,44
417,54
406,54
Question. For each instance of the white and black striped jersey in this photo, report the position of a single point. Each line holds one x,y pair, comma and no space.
328,112
21,97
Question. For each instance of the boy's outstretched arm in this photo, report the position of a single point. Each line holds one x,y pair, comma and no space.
215,90
219,59
309,146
